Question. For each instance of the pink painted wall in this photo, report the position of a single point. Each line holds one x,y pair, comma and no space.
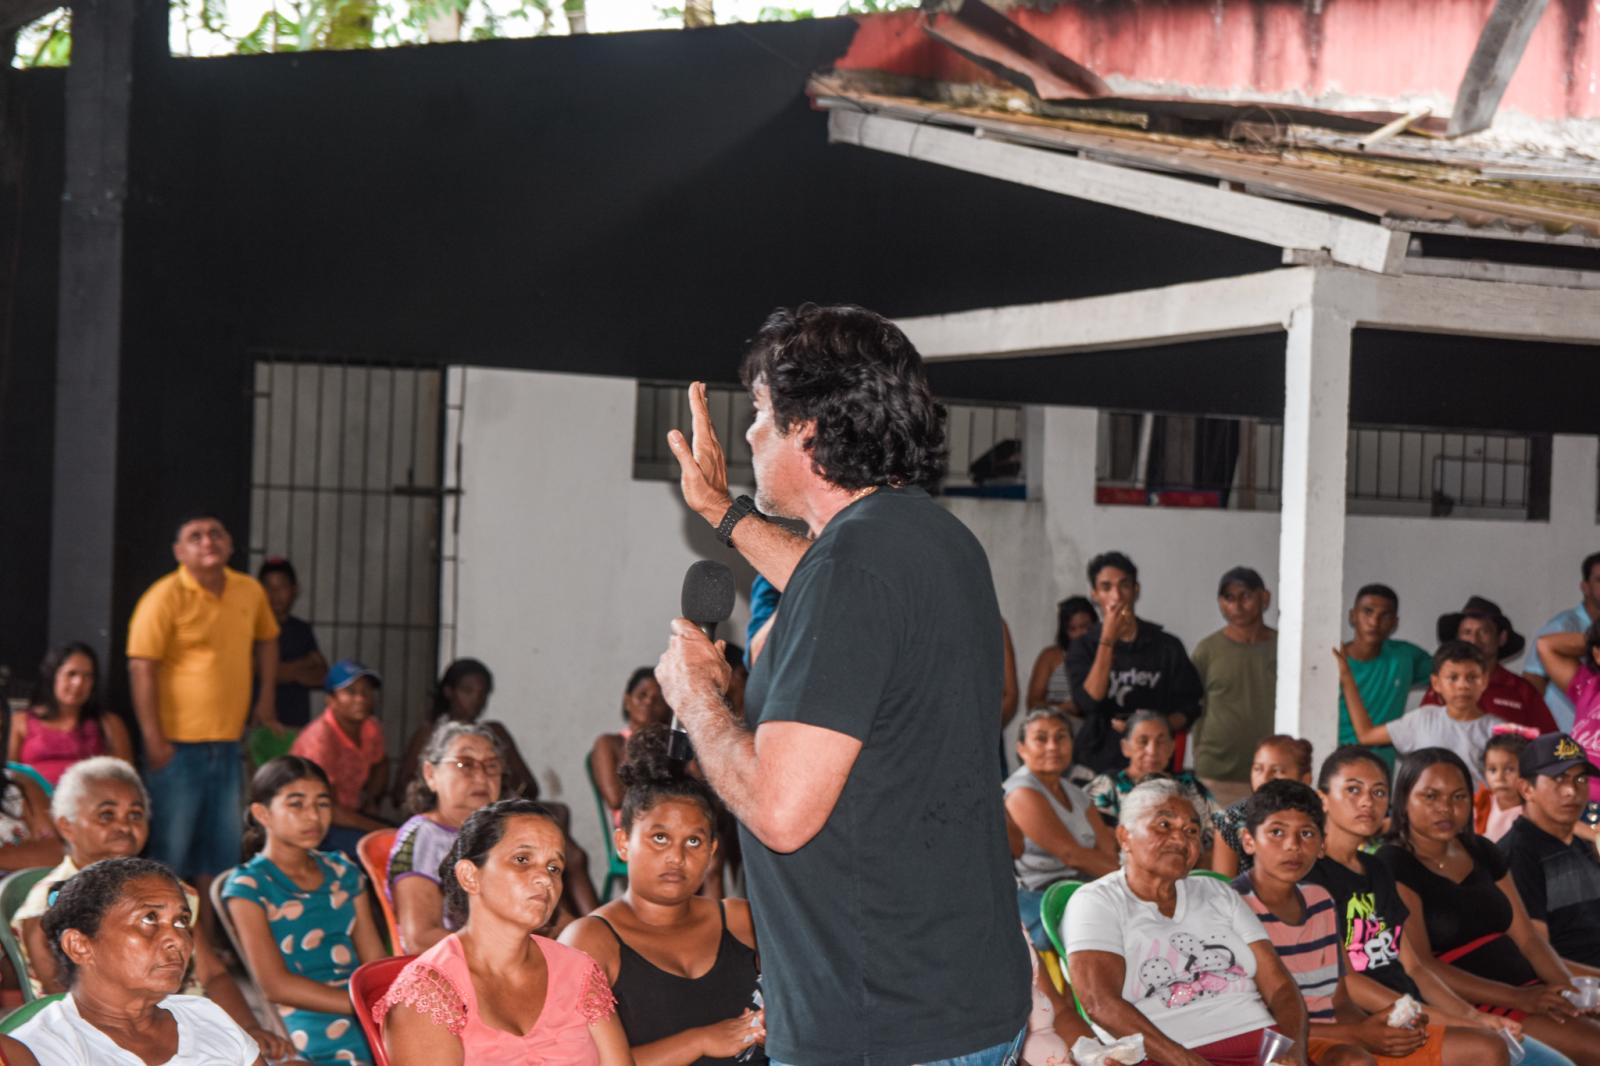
1386,49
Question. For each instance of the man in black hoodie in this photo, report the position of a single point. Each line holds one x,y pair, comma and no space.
1125,664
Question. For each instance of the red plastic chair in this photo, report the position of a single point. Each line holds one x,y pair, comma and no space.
374,851
367,985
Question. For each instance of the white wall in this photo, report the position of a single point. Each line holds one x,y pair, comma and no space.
569,570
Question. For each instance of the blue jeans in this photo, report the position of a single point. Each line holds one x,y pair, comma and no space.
195,811
1542,1054
1007,1054
1029,905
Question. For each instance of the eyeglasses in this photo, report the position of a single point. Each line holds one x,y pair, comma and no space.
472,767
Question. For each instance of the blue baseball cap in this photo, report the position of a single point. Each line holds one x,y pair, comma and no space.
347,670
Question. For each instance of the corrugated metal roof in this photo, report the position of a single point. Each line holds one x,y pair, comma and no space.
1398,182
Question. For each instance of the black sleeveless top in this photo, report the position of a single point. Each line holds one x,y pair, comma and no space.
654,1004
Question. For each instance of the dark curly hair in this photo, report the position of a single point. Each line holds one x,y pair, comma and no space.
479,834
82,901
1283,795
1113,559
649,776
862,381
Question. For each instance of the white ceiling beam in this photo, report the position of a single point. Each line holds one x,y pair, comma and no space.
1462,307
1352,242
1486,270
1174,314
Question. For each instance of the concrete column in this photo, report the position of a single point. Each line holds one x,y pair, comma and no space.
1316,423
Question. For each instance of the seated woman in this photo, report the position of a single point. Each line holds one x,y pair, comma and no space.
1468,913
301,914
1374,925
1063,837
1182,960
642,705
1572,660
495,991
1049,686
1276,758
461,772
26,836
102,812
683,967
120,933
1148,745
462,695
64,721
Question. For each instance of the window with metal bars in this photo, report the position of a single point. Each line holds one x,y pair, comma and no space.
1146,458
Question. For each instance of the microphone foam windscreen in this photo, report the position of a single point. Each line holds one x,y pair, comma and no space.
708,593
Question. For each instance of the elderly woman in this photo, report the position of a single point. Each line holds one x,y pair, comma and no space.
1148,745
120,933
1183,961
495,991
461,772
1063,837
102,811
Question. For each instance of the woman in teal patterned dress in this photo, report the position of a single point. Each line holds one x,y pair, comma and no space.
302,914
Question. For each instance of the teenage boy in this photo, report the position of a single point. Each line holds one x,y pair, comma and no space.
1385,670
1459,677
1576,620
1125,664
1482,624
1556,875
1238,668
1283,830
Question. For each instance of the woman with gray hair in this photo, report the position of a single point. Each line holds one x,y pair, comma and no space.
1148,745
1181,960
459,772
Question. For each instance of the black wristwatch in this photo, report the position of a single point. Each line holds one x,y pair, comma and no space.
741,506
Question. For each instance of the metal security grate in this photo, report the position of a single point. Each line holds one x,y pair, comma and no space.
347,485
1206,461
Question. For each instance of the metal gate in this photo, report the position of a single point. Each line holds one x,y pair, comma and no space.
347,484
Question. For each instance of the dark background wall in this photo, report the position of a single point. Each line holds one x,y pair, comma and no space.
628,204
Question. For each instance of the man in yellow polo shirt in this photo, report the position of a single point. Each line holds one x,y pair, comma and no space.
195,636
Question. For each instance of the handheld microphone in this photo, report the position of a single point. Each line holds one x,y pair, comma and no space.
707,600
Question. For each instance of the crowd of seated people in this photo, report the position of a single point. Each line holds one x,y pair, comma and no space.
1430,894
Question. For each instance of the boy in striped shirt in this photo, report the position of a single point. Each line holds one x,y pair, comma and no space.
1348,1012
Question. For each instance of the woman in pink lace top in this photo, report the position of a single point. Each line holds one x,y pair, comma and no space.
494,991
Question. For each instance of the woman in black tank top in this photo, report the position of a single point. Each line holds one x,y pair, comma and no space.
683,967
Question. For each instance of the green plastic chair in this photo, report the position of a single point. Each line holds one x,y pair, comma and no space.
1224,878
616,869
14,1021
1052,909
28,771
13,891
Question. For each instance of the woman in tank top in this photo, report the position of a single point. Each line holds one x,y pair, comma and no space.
65,722
683,967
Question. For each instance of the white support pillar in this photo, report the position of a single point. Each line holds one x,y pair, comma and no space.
1316,426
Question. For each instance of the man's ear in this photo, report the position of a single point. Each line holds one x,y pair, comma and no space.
1247,841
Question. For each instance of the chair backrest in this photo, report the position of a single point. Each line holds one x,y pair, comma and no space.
367,985
28,771
1214,875
374,850
13,1021
1052,909
616,869
13,891
219,907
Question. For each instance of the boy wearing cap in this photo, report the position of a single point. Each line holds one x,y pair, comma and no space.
347,742
1238,666
1509,696
1556,875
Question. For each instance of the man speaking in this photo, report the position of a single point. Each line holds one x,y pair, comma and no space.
873,831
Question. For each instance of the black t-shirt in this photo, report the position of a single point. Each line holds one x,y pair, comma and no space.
1372,918
1459,916
1559,885
892,936
295,641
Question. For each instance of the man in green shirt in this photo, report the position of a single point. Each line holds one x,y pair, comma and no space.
1385,670
1238,666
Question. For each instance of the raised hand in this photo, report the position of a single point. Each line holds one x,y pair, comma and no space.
703,468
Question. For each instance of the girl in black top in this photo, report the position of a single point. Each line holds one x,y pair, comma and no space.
1467,912
683,967
1375,928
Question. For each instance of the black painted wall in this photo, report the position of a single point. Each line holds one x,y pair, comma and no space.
628,204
